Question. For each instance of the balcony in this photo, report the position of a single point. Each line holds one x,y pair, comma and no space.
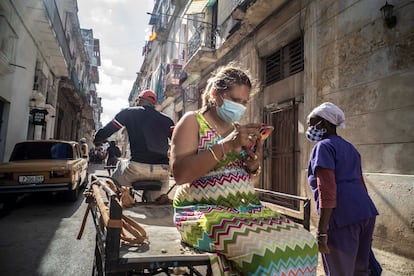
94,74
40,82
201,48
7,44
46,25
172,79
77,84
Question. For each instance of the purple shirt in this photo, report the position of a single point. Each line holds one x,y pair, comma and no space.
353,203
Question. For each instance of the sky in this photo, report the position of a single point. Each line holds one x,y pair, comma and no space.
122,28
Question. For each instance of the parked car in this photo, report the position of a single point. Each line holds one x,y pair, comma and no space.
44,166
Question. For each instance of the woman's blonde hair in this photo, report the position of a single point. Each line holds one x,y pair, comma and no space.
223,79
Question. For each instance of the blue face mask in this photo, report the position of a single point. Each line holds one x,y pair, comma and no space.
230,111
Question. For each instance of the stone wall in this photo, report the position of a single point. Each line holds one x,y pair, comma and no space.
367,69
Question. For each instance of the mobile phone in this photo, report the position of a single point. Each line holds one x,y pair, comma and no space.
265,131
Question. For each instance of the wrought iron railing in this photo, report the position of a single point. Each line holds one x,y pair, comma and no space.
204,36
174,73
75,80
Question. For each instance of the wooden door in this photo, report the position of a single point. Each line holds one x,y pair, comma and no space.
280,157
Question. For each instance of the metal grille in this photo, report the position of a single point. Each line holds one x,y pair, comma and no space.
274,68
285,62
295,56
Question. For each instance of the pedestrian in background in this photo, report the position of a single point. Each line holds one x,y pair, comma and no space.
113,153
346,212
84,148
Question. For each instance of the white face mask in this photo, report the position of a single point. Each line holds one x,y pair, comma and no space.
230,111
313,134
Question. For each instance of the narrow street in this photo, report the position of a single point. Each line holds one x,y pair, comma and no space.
38,237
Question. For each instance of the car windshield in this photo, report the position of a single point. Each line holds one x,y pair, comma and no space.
41,150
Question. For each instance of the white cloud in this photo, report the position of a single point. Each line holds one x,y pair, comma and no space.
122,27
108,66
111,2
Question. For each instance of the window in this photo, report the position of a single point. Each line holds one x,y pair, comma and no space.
41,150
285,62
8,39
40,80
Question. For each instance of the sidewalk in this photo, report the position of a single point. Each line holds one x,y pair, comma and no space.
394,265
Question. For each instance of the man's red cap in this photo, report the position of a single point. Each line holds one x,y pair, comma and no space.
148,95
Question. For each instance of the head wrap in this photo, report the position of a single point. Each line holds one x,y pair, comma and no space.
329,112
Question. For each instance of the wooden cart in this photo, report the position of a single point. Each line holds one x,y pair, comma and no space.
164,253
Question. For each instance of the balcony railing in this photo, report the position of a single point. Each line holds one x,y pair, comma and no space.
174,73
7,44
172,79
75,80
57,27
204,37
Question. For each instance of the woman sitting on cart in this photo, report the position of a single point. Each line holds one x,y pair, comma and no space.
216,207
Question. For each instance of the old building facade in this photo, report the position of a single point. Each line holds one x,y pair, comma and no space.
42,61
303,53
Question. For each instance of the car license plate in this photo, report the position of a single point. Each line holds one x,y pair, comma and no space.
31,179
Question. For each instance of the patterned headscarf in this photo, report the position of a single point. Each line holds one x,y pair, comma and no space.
329,112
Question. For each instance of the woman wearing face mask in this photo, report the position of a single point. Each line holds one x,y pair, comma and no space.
216,208
346,212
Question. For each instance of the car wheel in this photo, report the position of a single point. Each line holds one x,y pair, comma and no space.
73,195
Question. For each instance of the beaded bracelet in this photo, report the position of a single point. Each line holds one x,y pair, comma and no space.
321,235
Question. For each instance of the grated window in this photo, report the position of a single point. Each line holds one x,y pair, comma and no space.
285,62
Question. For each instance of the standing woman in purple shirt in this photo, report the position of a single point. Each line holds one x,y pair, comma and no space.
346,212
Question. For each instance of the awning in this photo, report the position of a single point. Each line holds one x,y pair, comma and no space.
197,6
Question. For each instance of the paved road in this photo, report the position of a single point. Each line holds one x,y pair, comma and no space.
38,237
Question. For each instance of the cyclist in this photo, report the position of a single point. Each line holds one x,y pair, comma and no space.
149,132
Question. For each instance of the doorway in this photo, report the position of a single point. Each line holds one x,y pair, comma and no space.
282,152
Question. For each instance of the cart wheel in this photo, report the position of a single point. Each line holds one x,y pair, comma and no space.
97,263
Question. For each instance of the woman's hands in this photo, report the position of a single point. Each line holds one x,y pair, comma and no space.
243,136
184,157
248,138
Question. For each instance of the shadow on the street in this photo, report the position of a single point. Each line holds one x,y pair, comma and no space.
28,228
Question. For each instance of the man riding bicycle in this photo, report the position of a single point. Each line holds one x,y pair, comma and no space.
149,132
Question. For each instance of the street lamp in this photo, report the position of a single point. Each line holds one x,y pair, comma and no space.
387,14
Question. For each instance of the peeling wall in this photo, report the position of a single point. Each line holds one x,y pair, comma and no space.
358,63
